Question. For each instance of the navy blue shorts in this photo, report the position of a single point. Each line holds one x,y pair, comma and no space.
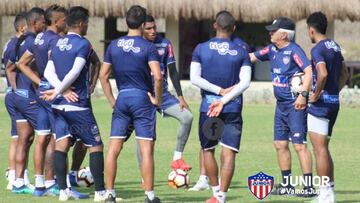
28,110
45,119
226,128
133,106
78,125
13,113
290,124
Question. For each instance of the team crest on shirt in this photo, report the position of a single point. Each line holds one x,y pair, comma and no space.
223,48
38,40
128,45
161,51
286,60
63,44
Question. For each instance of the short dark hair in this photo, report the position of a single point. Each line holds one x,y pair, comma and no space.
135,16
318,21
19,18
76,15
225,21
50,11
149,19
34,14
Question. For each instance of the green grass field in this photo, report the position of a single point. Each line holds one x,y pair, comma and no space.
257,154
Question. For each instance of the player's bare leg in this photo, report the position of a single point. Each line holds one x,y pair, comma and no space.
25,133
203,182
226,171
211,168
304,157
41,143
114,149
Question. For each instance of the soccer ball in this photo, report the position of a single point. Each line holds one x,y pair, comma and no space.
296,83
84,177
178,178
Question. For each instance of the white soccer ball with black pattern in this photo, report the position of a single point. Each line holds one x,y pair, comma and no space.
296,83
84,177
178,178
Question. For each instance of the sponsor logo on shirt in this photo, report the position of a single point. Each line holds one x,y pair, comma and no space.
298,61
222,48
128,45
63,44
287,52
332,45
38,40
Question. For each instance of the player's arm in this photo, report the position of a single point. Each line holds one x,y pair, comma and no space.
158,80
197,80
104,76
10,70
300,102
344,76
320,81
245,77
24,66
253,58
95,69
175,79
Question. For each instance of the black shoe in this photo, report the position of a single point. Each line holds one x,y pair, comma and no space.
110,199
308,192
283,190
155,200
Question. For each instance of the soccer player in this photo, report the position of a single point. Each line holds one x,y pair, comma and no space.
203,182
171,106
25,97
132,60
68,67
45,143
287,58
330,76
222,70
20,28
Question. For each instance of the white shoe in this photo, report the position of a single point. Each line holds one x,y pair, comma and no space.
31,186
66,195
328,198
100,196
200,185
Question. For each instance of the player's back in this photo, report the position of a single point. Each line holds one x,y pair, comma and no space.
221,60
129,56
63,55
329,52
43,43
24,86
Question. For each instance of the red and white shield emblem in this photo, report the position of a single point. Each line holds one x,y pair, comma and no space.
260,185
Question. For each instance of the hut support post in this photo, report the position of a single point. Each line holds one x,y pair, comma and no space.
172,33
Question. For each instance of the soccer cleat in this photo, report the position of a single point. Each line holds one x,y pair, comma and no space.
110,199
212,200
39,191
324,198
52,191
155,200
100,196
200,185
22,190
66,195
79,195
73,181
281,190
180,164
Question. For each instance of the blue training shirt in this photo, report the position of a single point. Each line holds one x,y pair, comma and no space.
129,57
284,63
221,61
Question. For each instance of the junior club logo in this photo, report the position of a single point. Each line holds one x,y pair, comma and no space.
260,185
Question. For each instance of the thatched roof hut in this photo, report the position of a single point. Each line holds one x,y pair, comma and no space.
243,10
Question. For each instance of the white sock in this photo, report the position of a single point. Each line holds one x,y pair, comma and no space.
19,182
11,176
49,183
203,178
150,194
39,181
215,189
177,155
68,184
221,196
26,177
112,192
